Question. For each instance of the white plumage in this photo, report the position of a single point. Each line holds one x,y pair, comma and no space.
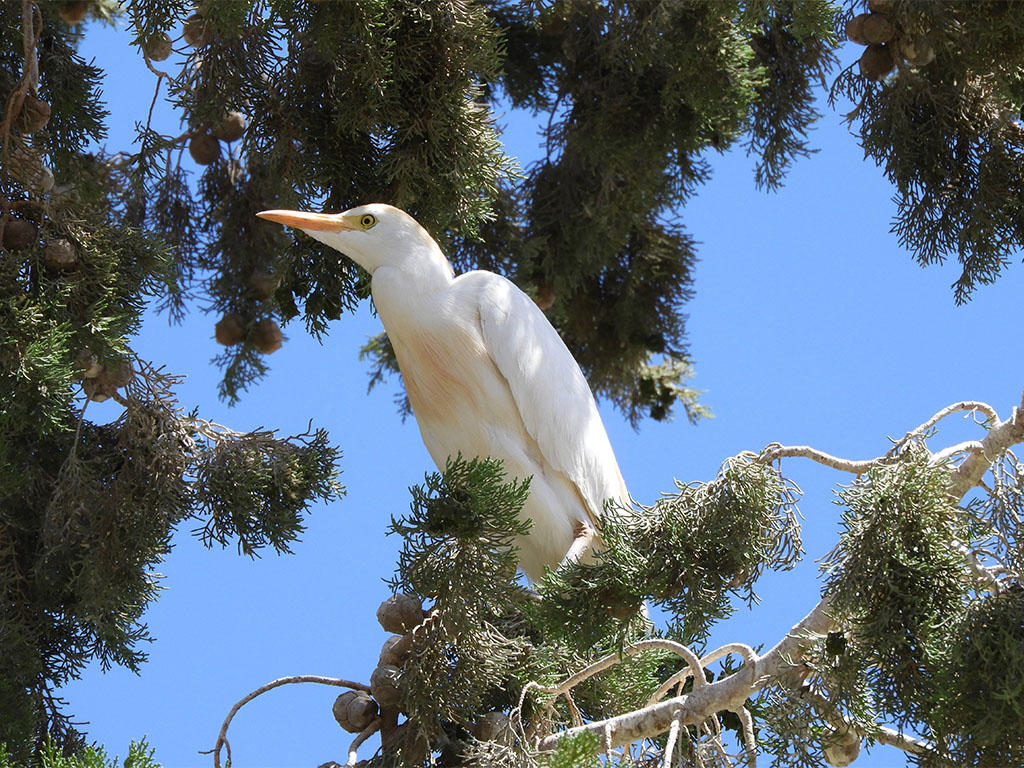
486,375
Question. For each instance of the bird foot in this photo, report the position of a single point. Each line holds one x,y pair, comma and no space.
582,537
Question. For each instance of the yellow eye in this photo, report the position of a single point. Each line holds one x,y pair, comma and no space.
367,220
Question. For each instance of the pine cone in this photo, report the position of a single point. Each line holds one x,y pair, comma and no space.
545,295
267,336
104,386
855,29
263,284
90,366
843,752
75,12
917,51
494,726
60,255
35,114
876,62
877,29
197,31
27,167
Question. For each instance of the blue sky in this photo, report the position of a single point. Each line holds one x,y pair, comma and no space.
810,326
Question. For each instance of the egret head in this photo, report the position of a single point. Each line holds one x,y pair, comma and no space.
373,235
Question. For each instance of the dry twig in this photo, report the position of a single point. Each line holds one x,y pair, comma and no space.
222,737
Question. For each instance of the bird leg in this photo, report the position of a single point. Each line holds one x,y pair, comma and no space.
582,537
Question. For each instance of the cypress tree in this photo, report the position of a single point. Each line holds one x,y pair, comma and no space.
319,105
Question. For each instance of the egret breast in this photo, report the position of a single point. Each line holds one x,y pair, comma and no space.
464,405
453,387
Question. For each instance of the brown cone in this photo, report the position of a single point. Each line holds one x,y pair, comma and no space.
158,47
35,114
204,148
876,62
267,336
231,128
230,329
60,254
197,31
75,12
19,235
877,29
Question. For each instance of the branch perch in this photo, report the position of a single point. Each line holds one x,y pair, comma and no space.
758,671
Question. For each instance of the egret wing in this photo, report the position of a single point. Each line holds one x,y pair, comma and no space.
549,389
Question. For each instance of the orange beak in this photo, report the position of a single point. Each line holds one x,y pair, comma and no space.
320,222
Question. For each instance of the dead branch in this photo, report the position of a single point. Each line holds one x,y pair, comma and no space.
366,733
222,737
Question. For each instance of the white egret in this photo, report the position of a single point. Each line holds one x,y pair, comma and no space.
486,374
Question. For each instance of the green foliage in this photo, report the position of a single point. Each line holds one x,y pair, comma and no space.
791,731
487,636
795,47
87,512
388,100
140,755
580,751
979,719
948,135
458,552
256,487
897,578
398,123
689,552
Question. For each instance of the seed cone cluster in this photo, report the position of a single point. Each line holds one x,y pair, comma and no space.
234,329
58,254
104,380
356,710
204,146
887,43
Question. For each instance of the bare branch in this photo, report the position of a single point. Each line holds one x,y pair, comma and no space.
670,744
894,738
968,446
681,676
965,405
883,733
775,451
614,658
749,741
982,574
31,31
729,693
222,737
1000,437
366,733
